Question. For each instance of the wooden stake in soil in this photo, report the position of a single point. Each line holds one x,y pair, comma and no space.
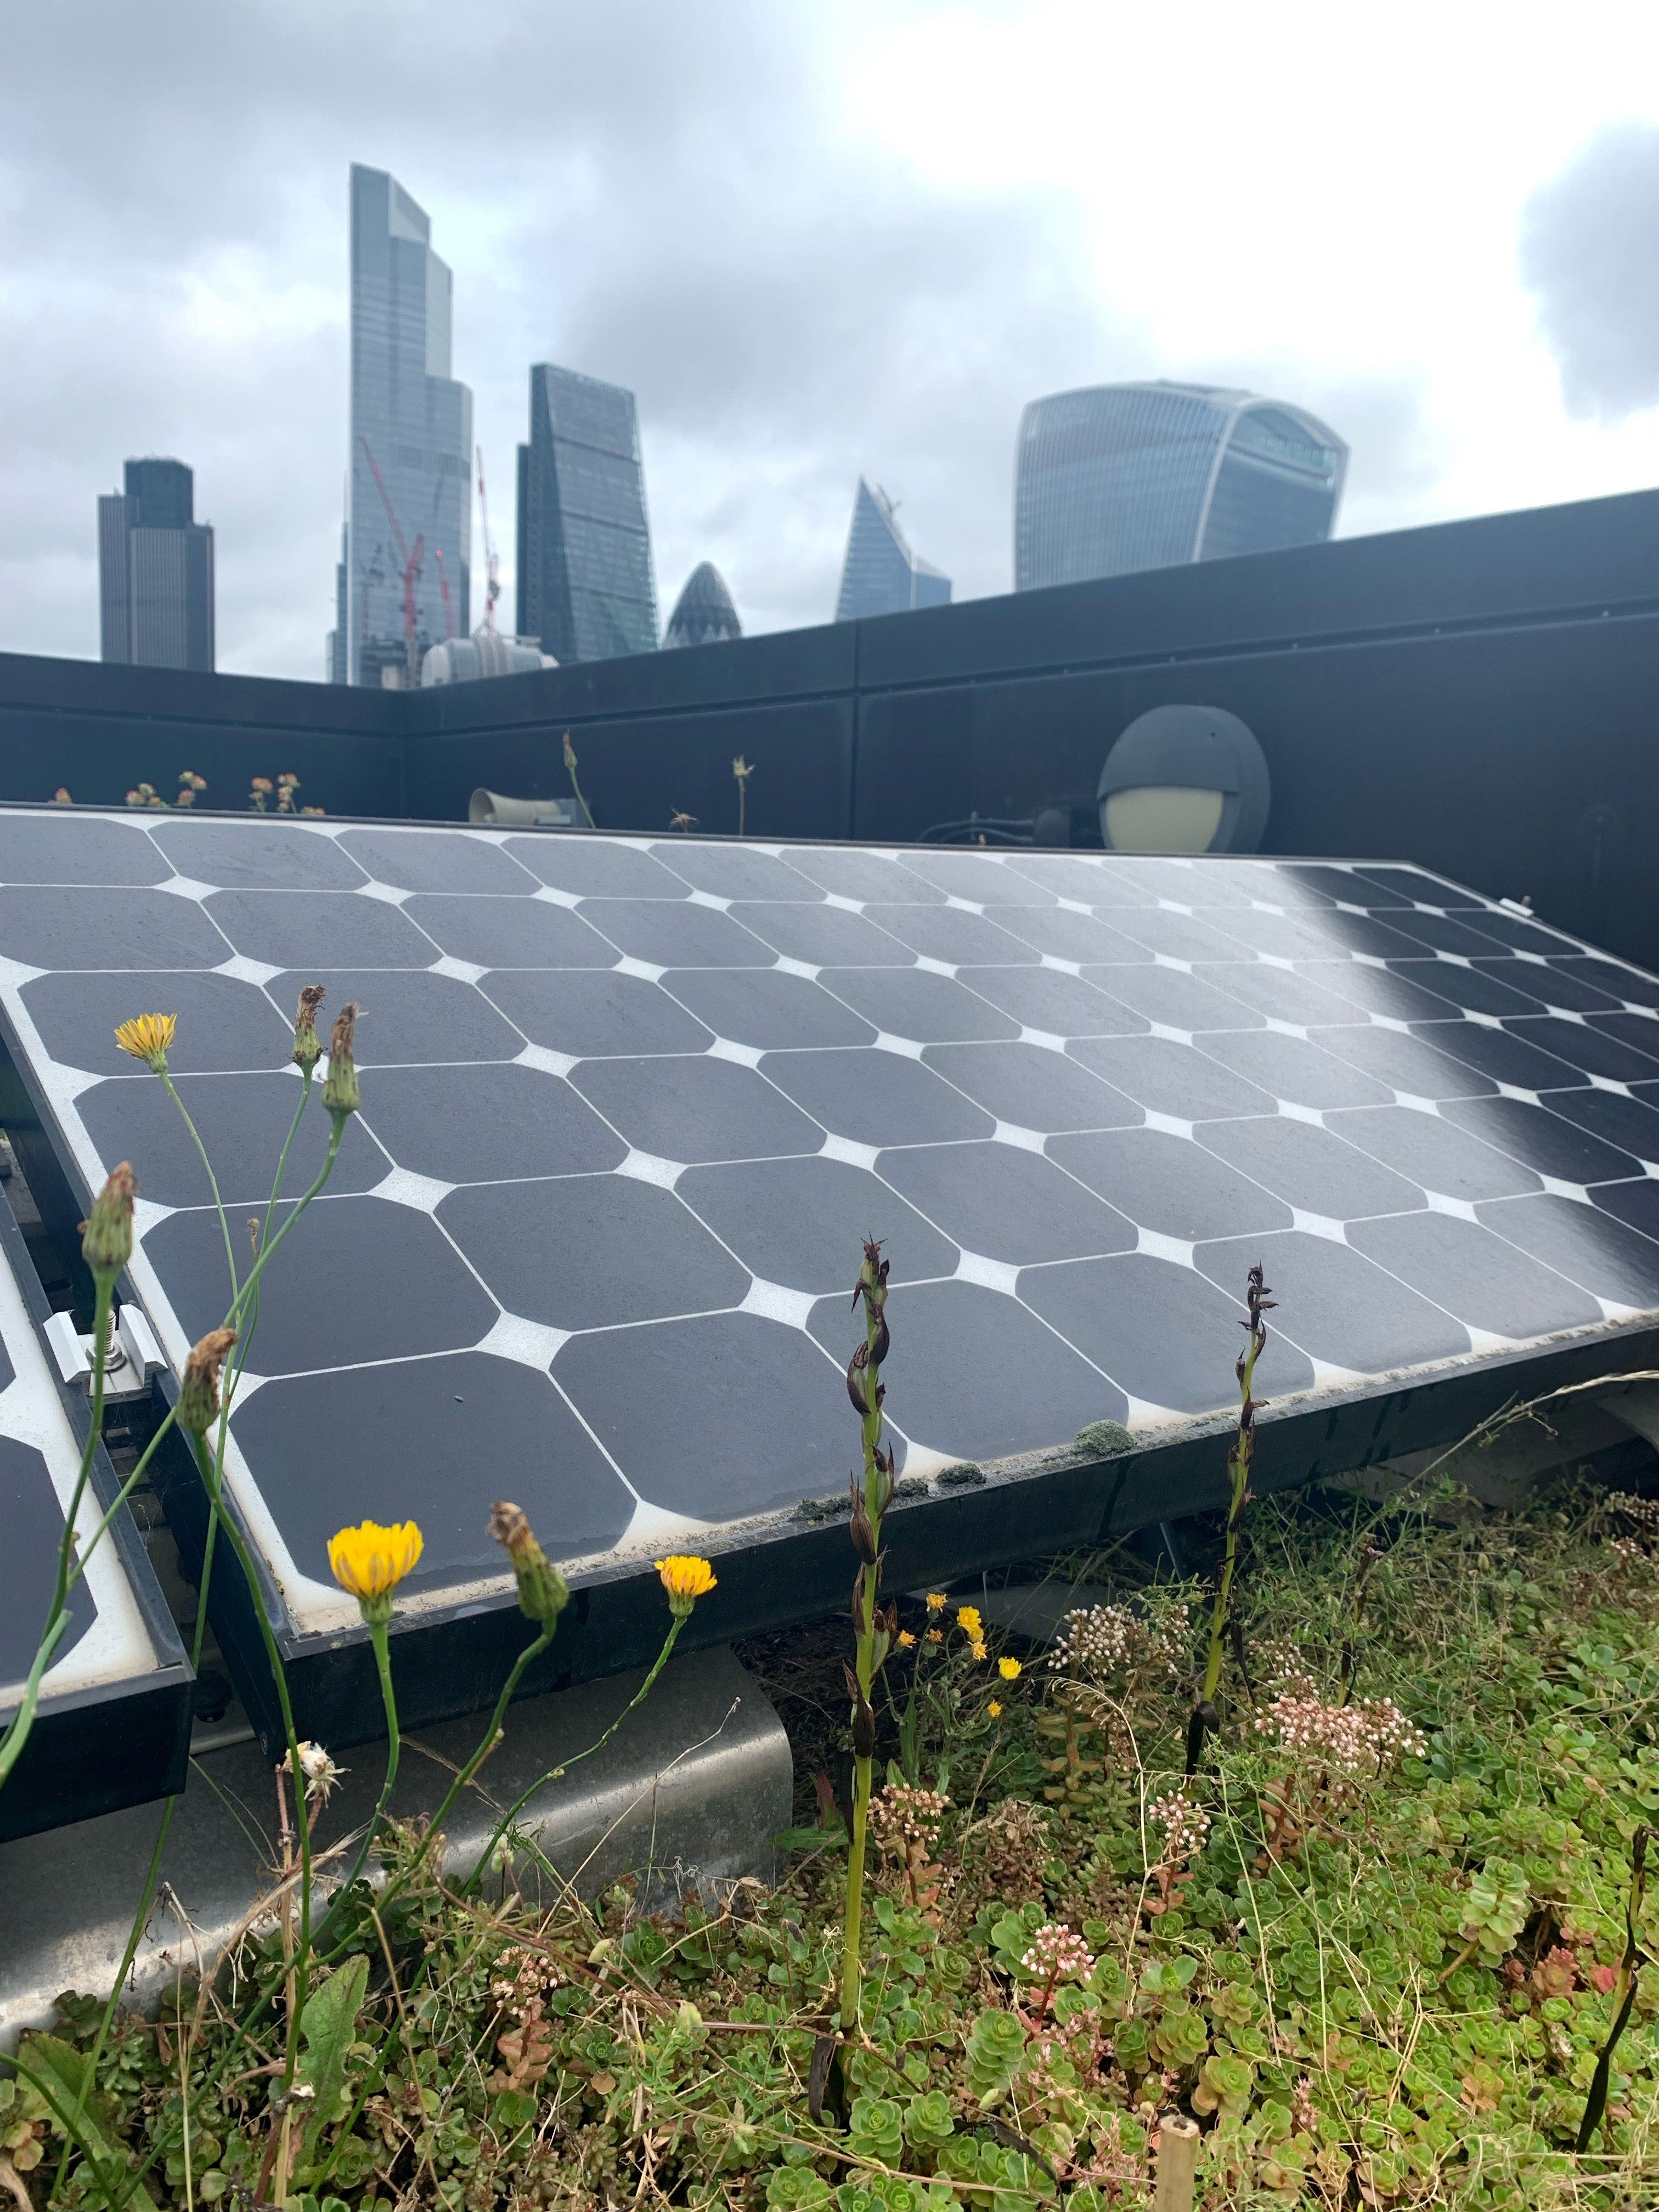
1177,2163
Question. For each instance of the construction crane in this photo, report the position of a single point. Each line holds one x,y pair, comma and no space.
493,591
411,566
443,585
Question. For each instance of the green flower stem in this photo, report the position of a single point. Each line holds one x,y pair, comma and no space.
1239,1460
377,1637
212,1477
531,1652
68,1567
268,1247
141,1918
245,1337
213,1180
864,1667
555,1773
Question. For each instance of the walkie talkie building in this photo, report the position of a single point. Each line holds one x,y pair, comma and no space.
1123,476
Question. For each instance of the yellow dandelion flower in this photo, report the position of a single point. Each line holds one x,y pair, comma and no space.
994,1709
370,1561
1009,1669
686,1578
148,1037
968,1622
906,1641
979,1650
936,1600
936,1635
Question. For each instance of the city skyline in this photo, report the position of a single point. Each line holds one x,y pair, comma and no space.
909,232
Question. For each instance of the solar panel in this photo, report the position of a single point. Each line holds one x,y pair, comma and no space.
629,1105
112,1724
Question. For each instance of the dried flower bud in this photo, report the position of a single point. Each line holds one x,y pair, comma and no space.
856,1367
882,1343
864,1534
340,1093
307,1046
198,1393
543,1594
106,1235
864,1721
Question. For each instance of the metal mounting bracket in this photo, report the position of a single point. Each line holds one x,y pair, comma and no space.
132,1356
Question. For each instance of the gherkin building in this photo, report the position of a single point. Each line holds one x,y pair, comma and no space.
703,614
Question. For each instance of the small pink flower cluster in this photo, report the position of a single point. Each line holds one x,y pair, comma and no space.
1357,1739
1639,1514
1057,1955
1185,1825
1281,1662
1095,1640
1110,1639
903,1814
531,1976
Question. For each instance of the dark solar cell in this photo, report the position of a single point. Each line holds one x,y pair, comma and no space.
1133,1315
931,1009
327,929
256,855
1005,1203
766,1009
496,932
787,1220
436,862
1168,1185
1337,1306
1171,1078
223,1023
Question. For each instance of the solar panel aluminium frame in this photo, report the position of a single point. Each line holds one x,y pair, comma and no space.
452,1653
124,1741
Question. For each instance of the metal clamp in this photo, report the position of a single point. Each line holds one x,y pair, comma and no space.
132,1355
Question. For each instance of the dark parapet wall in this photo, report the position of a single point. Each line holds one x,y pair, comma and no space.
1480,696
656,736
97,730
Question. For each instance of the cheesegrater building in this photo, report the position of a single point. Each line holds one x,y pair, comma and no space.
586,588
879,574
1123,476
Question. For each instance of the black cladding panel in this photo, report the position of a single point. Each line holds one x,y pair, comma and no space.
629,1105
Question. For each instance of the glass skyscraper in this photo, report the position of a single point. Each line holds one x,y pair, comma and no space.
154,570
703,613
411,420
1147,476
880,575
586,588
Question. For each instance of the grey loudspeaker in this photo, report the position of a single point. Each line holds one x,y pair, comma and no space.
489,806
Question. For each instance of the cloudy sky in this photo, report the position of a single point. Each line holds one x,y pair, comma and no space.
817,237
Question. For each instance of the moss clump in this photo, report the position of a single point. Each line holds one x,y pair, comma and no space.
1105,1439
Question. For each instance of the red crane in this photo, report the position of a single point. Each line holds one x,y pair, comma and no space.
443,585
492,562
411,565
